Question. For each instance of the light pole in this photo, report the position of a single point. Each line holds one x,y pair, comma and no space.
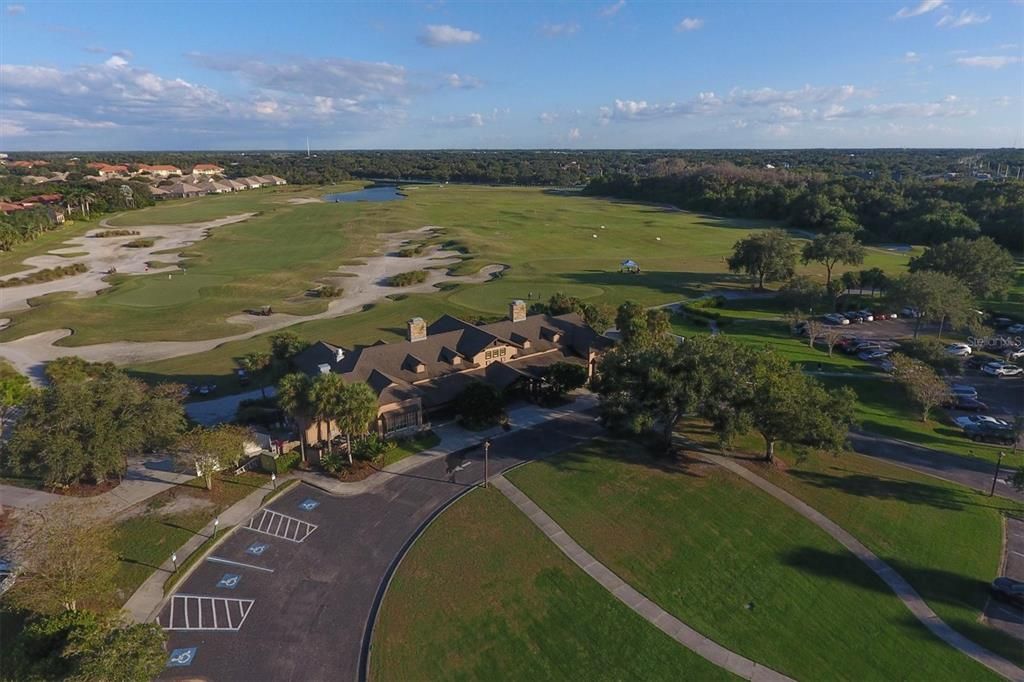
216,522
174,560
996,476
273,480
487,448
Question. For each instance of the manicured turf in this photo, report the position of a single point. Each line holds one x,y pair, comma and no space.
737,565
547,240
946,540
483,595
145,541
410,446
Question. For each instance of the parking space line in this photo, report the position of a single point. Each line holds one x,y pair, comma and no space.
206,622
218,560
281,526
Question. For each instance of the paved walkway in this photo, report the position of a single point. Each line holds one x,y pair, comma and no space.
651,612
454,439
907,594
144,605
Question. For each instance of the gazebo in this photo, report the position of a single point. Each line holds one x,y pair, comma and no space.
629,266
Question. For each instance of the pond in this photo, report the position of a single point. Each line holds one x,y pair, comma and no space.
377,193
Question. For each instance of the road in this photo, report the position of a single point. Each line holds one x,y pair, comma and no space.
308,616
1000,615
968,471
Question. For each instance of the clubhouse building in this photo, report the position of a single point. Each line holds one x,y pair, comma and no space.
424,375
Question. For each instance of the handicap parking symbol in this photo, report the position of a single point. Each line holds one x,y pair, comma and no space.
257,548
229,581
182,657
309,504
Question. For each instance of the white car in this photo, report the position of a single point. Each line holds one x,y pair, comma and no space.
867,316
961,350
1002,369
1015,354
964,390
964,420
836,318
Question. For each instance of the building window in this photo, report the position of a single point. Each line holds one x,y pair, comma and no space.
394,421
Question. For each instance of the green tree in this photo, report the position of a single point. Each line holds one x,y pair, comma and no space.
600,316
89,421
985,267
355,411
284,346
323,400
561,303
831,250
563,377
117,651
63,557
766,256
15,388
479,405
256,364
641,327
923,385
293,396
936,296
802,292
211,449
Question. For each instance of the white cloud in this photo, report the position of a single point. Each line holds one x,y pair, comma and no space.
612,9
808,93
15,10
911,57
473,120
574,134
560,30
442,35
922,7
458,81
988,62
627,109
966,18
949,107
547,117
689,24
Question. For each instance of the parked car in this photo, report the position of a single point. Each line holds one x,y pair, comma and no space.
910,312
966,419
1002,369
987,432
1014,353
963,389
876,354
243,376
1001,322
961,350
1008,590
836,318
963,402
866,315
853,317
1015,328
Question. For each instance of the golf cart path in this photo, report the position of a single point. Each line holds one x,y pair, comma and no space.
907,594
363,284
621,590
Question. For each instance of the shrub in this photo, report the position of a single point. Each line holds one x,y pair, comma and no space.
563,377
286,462
410,251
405,279
932,352
140,243
479,406
328,291
116,233
372,447
332,462
47,275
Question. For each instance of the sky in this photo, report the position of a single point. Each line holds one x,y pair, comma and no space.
159,75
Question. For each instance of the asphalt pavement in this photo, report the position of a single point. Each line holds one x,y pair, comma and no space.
1000,615
300,610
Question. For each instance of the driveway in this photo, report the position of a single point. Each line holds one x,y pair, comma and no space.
968,471
305,620
1000,615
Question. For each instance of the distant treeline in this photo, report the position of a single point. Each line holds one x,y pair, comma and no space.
915,211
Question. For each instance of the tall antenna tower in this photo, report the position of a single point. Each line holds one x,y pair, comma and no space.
307,147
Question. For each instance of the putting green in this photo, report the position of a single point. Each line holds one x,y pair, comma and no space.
157,290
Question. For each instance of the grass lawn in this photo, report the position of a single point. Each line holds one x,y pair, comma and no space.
483,595
945,539
737,565
145,541
410,446
546,240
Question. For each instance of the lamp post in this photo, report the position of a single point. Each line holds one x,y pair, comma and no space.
487,448
216,522
174,560
273,480
996,476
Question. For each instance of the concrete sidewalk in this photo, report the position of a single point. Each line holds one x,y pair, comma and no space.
907,594
454,439
144,605
651,612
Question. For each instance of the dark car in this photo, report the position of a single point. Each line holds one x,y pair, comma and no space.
963,402
987,432
1009,590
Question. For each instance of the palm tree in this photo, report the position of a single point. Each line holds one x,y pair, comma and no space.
323,399
293,396
255,364
355,410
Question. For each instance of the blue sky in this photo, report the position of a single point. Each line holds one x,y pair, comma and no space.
611,74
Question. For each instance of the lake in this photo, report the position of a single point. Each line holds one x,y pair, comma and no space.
379,193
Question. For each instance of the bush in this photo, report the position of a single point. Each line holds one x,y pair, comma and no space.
405,279
332,462
371,447
286,462
932,352
410,251
116,233
563,377
140,243
479,406
328,291
47,275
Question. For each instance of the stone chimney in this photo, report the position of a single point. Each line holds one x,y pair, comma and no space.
417,329
517,310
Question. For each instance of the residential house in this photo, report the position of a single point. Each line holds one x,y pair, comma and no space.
426,373
159,171
106,170
26,164
180,190
212,187
236,185
252,181
269,180
206,169
158,192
